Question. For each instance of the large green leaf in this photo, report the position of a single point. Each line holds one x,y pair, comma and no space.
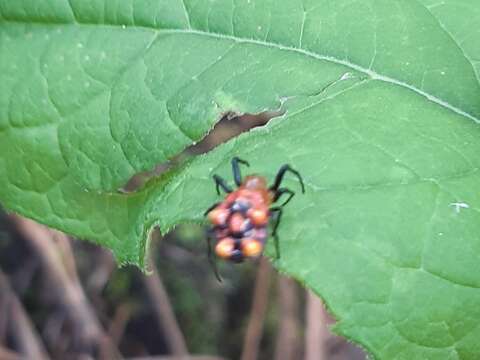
382,104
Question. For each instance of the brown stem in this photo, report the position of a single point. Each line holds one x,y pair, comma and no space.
187,357
317,332
69,292
3,319
7,354
23,332
119,322
164,313
66,253
288,340
105,265
257,314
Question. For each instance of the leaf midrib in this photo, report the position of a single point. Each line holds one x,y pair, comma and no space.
372,74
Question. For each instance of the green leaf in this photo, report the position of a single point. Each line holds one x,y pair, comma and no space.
382,104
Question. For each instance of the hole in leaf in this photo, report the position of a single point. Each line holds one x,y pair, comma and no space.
230,126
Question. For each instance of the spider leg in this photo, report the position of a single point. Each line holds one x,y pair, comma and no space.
220,183
211,208
278,194
237,175
211,256
276,213
281,174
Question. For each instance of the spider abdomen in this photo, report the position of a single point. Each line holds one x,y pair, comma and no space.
240,224
240,221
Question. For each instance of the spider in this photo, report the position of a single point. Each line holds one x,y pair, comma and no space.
240,221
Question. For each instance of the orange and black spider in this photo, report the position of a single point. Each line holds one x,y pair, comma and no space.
240,221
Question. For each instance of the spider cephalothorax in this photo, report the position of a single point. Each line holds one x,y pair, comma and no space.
240,221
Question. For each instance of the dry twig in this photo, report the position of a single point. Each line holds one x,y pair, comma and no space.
6,354
69,292
23,332
105,265
119,322
317,332
187,357
288,342
257,315
164,313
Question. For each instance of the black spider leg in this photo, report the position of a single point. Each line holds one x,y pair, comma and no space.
220,183
211,208
281,173
237,175
276,213
278,194
211,256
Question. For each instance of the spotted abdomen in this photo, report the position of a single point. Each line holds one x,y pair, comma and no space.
240,228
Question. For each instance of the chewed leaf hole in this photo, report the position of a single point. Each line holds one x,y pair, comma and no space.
231,125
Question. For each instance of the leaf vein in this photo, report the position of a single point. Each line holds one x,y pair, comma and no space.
444,29
370,73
